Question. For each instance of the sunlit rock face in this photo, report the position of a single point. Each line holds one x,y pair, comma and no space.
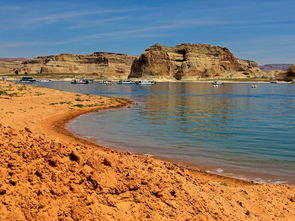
288,75
100,64
10,65
192,62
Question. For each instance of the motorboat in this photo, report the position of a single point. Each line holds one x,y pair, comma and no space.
27,79
253,86
217,83
146,82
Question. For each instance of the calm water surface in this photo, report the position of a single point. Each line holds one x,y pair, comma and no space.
232,130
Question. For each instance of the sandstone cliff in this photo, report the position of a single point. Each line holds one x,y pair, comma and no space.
192,62
288,75
9,65
99,64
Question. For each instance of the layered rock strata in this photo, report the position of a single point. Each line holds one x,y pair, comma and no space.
9,65
192,62
99,64
288,75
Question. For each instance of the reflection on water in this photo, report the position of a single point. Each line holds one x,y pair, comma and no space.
247,132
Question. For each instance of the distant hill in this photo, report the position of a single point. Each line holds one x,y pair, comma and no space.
272,67
13,59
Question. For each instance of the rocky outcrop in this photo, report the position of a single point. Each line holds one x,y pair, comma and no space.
288,75
192,62
9,65
98,64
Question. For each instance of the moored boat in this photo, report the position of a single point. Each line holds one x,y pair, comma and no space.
126,82
44,80
27,79
82,81
146,82
107,82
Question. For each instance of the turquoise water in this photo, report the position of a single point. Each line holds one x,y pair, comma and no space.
232,130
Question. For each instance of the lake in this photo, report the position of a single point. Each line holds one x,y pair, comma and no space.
232,130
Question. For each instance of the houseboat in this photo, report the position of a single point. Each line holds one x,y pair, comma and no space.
27,79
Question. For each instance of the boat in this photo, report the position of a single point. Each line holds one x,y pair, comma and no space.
82,81
217,83
146,82
44,80
253,86
27,79
126,82
107,82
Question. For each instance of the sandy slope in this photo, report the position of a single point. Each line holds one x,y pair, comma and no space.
45,174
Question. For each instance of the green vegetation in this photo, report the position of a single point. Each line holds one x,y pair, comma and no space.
5,93
62,102
79,105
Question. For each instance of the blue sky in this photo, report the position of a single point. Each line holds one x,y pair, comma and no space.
260,30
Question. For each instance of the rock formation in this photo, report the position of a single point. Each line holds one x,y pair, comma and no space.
192,62
9,65
98,64
288,75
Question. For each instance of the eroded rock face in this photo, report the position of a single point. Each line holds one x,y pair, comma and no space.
192,61
287,75
99,64
9,65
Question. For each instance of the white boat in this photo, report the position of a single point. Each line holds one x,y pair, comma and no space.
27,79
253,86
217,82
126,82
145,82
44,80
108,82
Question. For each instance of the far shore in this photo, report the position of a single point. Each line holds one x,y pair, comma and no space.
68,78
48,173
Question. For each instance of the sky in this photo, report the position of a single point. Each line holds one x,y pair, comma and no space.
260,30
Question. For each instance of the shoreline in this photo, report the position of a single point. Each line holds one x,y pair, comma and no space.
238,81
49,174
59,127
207,169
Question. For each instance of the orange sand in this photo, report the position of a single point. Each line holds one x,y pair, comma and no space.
47,174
